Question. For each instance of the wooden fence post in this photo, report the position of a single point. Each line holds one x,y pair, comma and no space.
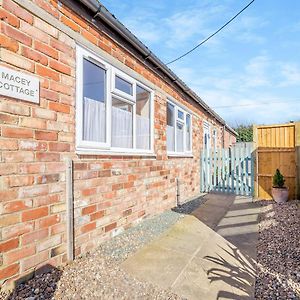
255,162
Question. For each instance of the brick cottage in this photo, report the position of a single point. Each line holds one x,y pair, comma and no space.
76,84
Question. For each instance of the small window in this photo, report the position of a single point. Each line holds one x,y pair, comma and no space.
123,85
215,139
179,130
180,114
170,127
206,136
143,114
188,133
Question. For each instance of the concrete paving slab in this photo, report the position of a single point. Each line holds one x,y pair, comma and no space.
193,283
231,221
209,254
221,200
210,215
243,212
178,240
156,264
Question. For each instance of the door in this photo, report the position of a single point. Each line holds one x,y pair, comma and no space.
207,147
206,136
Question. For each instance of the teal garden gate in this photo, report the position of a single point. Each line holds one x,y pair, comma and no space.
228,170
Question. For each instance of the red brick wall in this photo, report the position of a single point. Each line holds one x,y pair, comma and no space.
110,193
229,139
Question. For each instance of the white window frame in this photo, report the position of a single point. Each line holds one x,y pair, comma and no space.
145,87
90,147
191,133
185,152
122,75
82,54
215,137
206,129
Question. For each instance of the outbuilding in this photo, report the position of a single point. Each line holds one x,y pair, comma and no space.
96,95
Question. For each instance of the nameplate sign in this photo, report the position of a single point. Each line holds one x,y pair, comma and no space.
19,85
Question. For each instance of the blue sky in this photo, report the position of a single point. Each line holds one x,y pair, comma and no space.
255,59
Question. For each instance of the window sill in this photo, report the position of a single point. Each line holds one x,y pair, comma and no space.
172,154
91,152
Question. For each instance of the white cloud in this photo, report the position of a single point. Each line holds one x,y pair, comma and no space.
177,30
248,37
291,75
246,91
191,24
173,30
256,72
145,31
251,107
246,29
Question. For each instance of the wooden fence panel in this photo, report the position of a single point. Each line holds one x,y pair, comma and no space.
275,149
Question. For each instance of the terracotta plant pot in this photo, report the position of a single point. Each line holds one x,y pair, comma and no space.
280,195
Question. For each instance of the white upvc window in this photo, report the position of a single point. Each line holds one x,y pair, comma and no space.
215,137
206,136
114,112
179,130
123,85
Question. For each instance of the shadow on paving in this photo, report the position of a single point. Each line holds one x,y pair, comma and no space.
238,276
233,217
40,284
209,254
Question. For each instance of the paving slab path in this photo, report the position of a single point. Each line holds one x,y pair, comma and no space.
208,254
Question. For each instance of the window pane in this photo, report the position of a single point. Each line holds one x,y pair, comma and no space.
170,127
94,106
180,115
207,143
215,138
142,118
179,137
121,124
123,85
188,132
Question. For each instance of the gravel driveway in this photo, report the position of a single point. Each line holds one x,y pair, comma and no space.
97,275
278,251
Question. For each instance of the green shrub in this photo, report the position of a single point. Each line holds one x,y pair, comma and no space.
278,179
245,133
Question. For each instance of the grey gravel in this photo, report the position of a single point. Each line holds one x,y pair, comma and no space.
135,237
98,275
41,287
278,251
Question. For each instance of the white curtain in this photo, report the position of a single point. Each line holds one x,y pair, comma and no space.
179,139
93,120
170,138
142,132
188,140
121,135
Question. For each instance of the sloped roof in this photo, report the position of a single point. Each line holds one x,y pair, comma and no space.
106,16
